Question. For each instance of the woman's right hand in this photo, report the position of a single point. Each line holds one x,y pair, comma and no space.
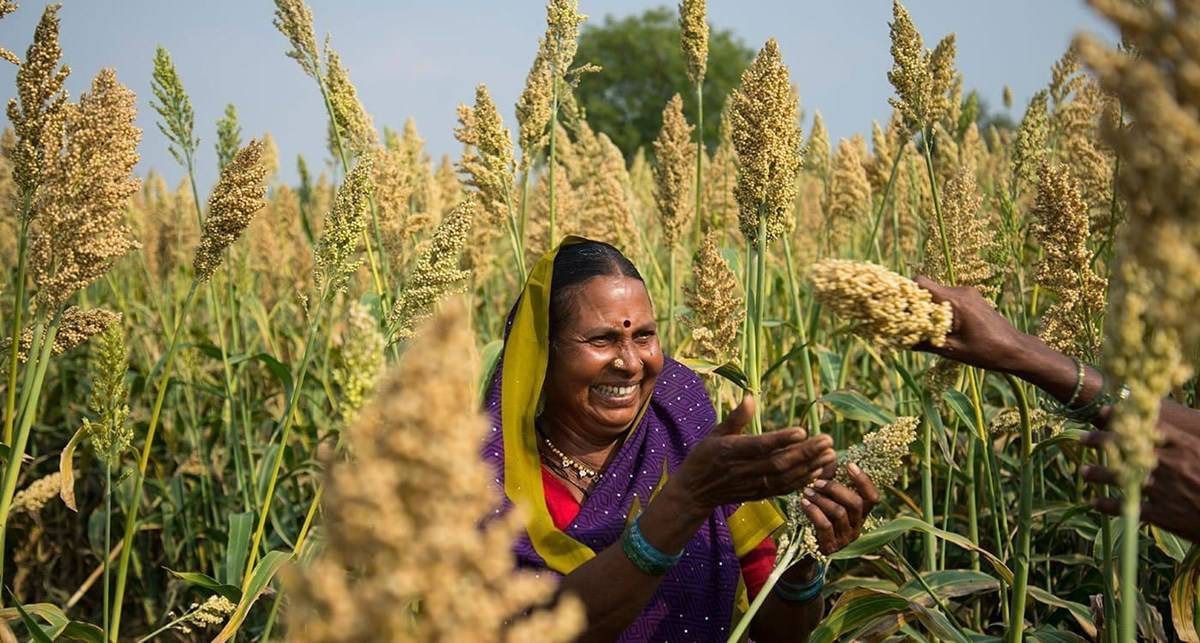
979,335
728,467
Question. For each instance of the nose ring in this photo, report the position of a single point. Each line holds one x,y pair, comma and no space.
618,363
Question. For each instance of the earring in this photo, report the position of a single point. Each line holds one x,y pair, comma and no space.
618,363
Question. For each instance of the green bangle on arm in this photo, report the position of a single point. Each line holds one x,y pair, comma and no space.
802,592
644,555
1089,411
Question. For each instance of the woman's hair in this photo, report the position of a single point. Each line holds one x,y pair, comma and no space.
574,265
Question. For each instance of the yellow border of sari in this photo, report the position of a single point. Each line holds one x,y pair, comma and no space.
526,354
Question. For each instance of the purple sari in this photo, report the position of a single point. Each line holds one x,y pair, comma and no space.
696,598
699,597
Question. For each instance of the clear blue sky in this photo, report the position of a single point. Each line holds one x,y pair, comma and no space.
421,59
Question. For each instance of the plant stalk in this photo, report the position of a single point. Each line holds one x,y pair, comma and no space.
164,379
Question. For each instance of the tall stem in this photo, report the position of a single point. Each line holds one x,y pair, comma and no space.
212,299
698,215
785,561
810,390
289,412
760,292
107,536
1130,516
39,359
1106,568
164,379
1016,624
379,280
887,191
671,288
930,542
10,396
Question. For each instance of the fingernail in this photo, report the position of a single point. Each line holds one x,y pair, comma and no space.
853,468
805,503
809,492
820,483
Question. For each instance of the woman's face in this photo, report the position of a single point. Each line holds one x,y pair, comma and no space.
587,387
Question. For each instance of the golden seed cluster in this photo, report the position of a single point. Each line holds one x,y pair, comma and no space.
403,519
767,139
86,182
887,309
39,102
436,273
923,80
238,195
1060,223
1155,283
351,122
969,237
488,160
337,255
31,499
717,308
693,33
674,170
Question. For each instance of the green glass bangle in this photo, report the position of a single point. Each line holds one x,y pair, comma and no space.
643,555
802,592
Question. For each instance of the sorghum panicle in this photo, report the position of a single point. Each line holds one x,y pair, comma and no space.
767,138
888,309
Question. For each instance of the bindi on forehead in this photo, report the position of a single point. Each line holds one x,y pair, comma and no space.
628,323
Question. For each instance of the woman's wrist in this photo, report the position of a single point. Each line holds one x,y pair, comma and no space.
804,571
671,519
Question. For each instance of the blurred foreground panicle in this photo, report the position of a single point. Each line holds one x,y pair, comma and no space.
31,499
86,183
1061,225
337,252
436,273
693,32
403,519
675,165
488,159
238,195
1154,300
888,309
766,135
717,309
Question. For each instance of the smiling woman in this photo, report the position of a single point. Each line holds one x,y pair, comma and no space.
654,515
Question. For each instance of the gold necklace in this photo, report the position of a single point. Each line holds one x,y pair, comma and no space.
585,472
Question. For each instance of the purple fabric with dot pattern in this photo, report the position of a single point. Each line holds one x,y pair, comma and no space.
695,600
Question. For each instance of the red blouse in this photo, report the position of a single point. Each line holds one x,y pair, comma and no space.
756,564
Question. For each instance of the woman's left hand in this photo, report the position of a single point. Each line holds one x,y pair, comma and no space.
837,511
